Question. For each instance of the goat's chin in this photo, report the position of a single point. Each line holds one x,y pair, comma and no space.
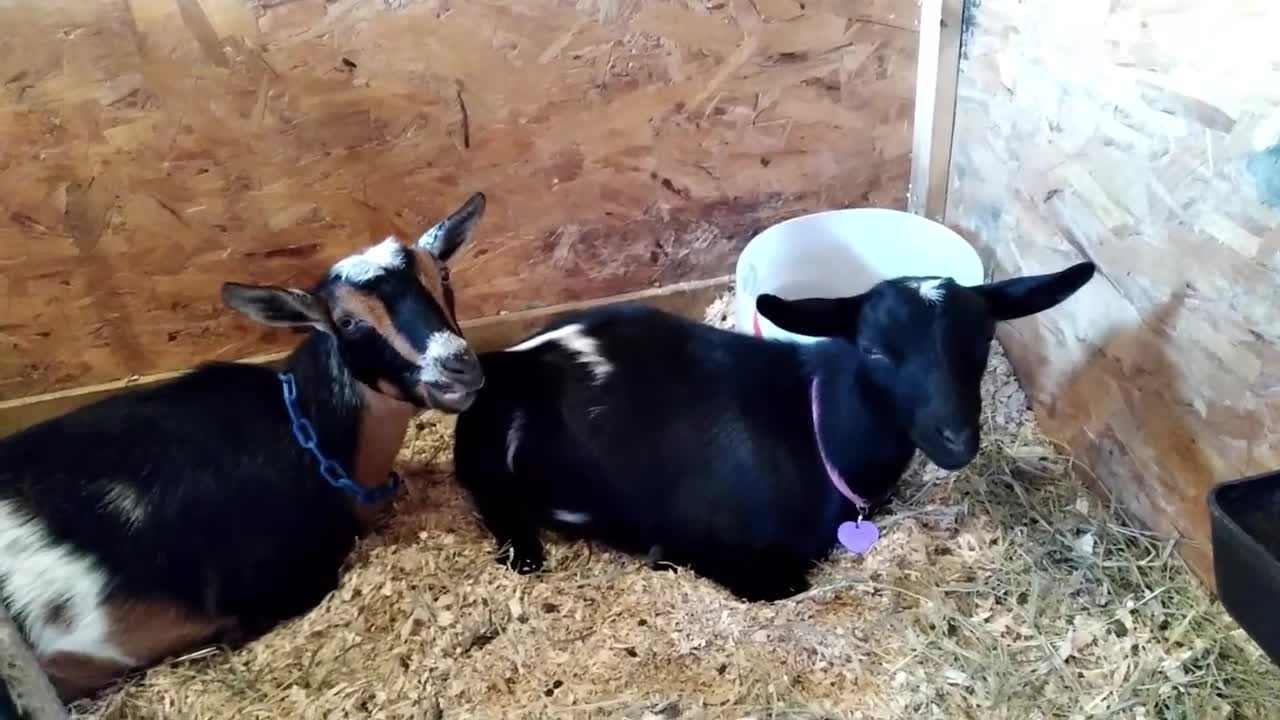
453,401
951,465
950,461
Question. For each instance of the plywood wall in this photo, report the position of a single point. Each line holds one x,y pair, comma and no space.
1145,136
151,149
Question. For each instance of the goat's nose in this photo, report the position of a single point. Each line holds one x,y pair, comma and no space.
956,438
462,368
457,364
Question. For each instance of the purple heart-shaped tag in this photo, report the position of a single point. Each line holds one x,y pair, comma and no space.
858,537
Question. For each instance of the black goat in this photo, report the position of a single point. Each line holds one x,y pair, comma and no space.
214,506
710,448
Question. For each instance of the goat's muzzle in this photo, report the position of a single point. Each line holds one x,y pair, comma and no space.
454,383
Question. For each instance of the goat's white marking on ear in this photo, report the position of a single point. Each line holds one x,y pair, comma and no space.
371,262
126,502
513,438
441,344
432,236
574,338
53,591
932,290
572,517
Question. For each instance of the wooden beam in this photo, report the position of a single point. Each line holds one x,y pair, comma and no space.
937,75
25,692
492,333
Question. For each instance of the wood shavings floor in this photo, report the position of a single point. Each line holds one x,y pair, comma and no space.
1004,591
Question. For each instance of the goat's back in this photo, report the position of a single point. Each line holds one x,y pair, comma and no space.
193,491
660,428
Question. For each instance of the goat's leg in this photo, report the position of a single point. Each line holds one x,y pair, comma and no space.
519,546
756,574
480,463
79,676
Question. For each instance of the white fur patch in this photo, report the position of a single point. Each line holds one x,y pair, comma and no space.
513,439
432,236
576,340
932,290
38,574
440,345
571,517
371,262
546,337
126,503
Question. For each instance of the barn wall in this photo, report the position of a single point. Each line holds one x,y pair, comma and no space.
1145,136
152,149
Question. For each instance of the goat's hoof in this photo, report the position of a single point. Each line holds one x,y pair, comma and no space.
656,561
770,592
524,562
527,565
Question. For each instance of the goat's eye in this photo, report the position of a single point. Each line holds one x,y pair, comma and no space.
346,322
444,275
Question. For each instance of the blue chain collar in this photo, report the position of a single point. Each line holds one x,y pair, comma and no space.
332,471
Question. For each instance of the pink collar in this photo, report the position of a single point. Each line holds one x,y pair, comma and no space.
832,472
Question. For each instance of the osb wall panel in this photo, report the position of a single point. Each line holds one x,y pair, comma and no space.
1145,136
151,149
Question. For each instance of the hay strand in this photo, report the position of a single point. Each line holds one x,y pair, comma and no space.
24,689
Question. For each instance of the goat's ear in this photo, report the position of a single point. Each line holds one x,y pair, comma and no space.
817,317
278,306
1020,297
445,237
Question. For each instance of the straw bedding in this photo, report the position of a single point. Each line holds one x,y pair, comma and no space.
1002,591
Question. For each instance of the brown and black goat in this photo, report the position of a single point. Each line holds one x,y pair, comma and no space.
213,506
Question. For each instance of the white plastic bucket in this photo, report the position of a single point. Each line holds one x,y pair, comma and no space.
839,253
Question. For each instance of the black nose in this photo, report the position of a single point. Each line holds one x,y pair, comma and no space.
956,439
457,364
463,369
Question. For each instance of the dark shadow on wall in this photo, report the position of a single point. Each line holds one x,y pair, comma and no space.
1124,415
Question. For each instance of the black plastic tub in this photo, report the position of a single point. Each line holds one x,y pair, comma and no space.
1245,519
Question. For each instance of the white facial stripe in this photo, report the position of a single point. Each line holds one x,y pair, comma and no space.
572,517
440,345
513,439
574,339
372,262
54,592
932,290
